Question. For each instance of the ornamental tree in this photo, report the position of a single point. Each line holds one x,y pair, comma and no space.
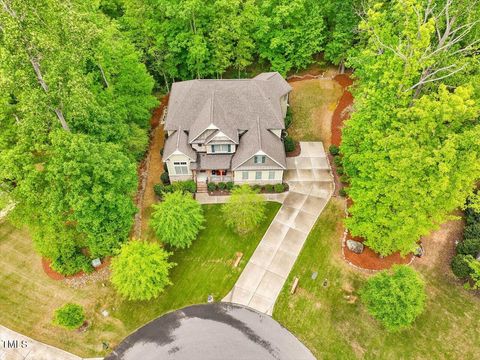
244,210
177,220
395,298
70,316
140,270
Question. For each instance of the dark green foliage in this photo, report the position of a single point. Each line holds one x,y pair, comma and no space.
278,188
222,186
338,161
342,192
395,297
230,185
165,178
289,144
257,187
161,189
188,186
472,231
288,118
469,246
334,150
269,188
460,266
344,179
70,316
211,186
340,170
70,263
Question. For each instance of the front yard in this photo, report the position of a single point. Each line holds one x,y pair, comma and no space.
29,297
333,323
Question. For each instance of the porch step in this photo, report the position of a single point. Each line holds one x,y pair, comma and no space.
202,188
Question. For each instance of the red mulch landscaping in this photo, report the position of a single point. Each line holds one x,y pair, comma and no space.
52,274
339,115
370,260
295,151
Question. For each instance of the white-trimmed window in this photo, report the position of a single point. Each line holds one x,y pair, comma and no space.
181,167
271,175
244,175
259,159
222,148
258,175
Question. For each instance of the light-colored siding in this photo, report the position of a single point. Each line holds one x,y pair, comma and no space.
250,165
238,177
171,168
277,132
232,148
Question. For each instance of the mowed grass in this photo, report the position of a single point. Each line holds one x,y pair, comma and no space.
312,104
334,324
28,297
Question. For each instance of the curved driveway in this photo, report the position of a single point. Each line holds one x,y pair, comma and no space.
311,185
212,331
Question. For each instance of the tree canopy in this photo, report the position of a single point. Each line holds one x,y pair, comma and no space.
244,210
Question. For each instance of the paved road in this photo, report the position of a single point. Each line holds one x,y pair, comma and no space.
209,332
311,186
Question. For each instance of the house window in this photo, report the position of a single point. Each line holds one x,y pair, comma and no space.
259,159
244,175
258,175
181,167
221,148
271,175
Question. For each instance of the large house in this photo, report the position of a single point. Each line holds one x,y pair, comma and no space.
227,130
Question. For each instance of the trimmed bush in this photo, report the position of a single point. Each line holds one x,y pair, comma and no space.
289,144
269,188
342,192
188,186
70,316
334,150
257,187
337,159
222,185
460,266
472,231
70,263
395,297
211,186
288,118
161,151
340,170
165,178
230,185
344,179
469,247
278,188
165,167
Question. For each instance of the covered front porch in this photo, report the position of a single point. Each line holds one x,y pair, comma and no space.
216,175
212,168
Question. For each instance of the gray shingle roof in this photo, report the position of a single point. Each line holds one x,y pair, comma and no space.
212,162
231,106
178,141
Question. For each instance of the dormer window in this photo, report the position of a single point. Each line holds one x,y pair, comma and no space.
222,148
259,159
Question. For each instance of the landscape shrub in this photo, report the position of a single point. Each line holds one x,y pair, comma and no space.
70,316
395,297
344,179
188,186
288,118
289,143
161,189
230,185
342,192
211,186
177,220
469,246
474,271
340,170
165,178
165,167
472,216
257,187
334,150
70,263
140,270
269,188
337,159
472,231
460,266
161,151
278,188
222,185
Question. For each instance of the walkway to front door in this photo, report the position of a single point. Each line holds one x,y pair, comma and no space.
311,186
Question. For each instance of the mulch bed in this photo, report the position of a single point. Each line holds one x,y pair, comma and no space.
296,151
52,274
340,115
370,260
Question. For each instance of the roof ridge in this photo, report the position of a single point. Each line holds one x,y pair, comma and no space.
259,135
267,100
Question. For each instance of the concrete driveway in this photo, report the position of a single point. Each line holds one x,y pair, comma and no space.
311,185
212,331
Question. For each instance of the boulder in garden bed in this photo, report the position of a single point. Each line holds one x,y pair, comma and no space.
355,246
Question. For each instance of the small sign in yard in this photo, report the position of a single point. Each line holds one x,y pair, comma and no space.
237,260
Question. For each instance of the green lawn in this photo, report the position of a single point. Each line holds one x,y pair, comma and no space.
3,200
333,328
29,297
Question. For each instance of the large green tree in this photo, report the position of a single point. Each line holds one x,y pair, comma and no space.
244,210
412,146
